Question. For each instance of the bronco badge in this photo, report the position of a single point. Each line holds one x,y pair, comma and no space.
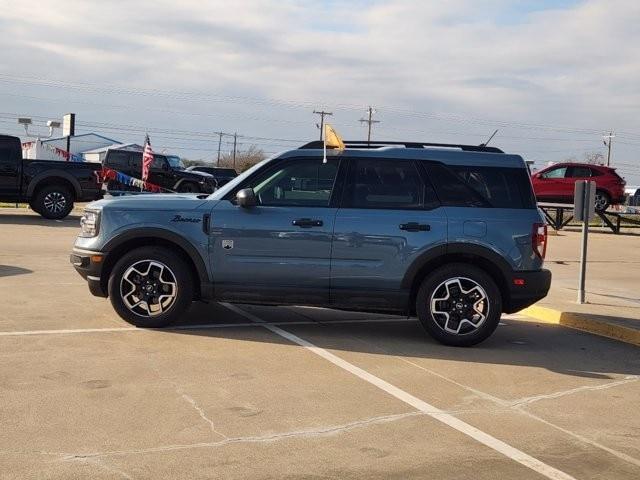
180,218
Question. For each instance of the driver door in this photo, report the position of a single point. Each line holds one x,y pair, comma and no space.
278,251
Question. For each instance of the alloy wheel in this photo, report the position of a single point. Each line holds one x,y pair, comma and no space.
55,202
459,305
148,288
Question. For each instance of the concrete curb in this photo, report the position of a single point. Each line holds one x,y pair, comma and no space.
583,322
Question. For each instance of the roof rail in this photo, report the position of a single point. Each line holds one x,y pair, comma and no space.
377,144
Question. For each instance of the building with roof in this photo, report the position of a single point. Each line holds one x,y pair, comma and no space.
98,154
52,148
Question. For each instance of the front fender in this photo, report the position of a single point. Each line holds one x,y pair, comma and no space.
127,235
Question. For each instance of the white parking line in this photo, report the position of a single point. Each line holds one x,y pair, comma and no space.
196,327
422,406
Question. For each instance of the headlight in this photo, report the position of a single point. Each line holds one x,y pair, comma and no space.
89,223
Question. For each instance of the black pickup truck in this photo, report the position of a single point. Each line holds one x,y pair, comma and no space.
49,186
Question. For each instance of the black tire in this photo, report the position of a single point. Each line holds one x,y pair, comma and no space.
433,287
175,271
188,187
33,206
53,202
603,200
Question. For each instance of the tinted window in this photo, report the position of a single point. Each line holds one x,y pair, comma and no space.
579,172
380,183
451,189
117,159
135,160
306,182
158,162
474,186
555,173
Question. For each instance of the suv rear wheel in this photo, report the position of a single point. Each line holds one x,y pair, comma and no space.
150,287
459,305
53,202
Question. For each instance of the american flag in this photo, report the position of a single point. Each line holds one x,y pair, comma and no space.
147,158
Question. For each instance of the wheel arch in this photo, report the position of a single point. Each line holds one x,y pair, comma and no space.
182,181
142,237
482,257
54,177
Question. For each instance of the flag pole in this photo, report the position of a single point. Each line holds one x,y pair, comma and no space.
324,146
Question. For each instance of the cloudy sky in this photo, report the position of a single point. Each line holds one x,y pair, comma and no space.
552,76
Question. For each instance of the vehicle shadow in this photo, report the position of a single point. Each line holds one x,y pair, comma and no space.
515,342
30,218
10,270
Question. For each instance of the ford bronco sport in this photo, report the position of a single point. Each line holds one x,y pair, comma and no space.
448,232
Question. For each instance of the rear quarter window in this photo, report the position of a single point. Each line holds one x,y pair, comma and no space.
479,186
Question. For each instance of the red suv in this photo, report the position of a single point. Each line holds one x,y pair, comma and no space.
556,183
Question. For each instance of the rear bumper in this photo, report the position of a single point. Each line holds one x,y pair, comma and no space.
89,265
526,288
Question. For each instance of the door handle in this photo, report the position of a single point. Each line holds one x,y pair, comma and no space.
307,223
415,227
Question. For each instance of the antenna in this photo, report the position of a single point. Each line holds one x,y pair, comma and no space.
487,142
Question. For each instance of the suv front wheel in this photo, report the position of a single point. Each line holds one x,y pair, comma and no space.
459,305
150,287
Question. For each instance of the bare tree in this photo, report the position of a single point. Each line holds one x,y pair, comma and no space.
594,158
244,158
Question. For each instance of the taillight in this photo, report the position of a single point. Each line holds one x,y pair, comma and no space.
539,239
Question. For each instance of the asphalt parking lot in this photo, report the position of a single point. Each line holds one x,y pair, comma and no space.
291,392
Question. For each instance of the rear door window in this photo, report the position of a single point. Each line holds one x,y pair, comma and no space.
387,184
579,172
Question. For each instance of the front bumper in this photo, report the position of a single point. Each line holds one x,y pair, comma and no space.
526,288
89,265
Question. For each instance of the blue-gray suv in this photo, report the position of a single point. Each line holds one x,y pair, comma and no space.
450,233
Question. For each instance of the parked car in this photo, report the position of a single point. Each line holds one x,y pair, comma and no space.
556,183
453,235
222,175
633,196
167,171
49,186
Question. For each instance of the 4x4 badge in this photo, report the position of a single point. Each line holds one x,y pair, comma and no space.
227,244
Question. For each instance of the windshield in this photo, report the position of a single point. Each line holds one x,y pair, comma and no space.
222,191
175,162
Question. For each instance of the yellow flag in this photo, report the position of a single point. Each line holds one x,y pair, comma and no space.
331,138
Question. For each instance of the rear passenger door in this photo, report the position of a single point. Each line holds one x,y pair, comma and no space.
389,215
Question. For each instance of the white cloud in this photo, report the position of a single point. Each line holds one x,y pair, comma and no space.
576,66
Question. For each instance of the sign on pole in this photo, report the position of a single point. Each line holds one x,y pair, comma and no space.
584,201
584,209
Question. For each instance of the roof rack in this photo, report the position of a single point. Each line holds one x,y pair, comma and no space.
377,144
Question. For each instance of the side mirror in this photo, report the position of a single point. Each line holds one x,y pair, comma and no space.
246,198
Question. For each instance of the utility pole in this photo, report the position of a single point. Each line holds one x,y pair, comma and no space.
219,147
235,142
322,114
369,121
608,144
